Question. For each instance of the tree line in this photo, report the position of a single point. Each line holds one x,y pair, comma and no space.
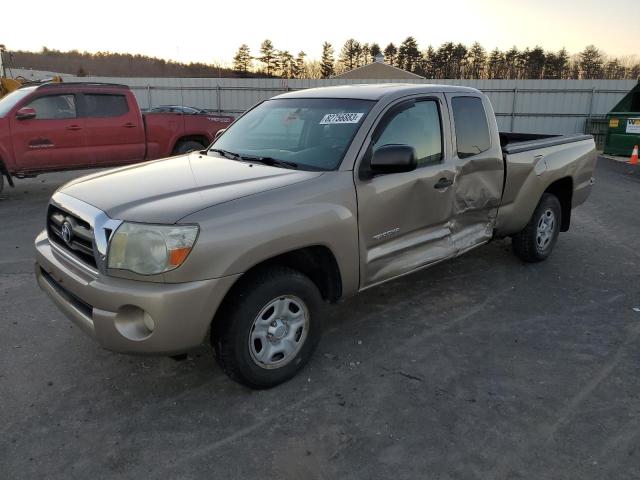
450,60
110,64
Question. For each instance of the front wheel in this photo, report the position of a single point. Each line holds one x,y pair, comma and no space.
187,146
536,241
267,331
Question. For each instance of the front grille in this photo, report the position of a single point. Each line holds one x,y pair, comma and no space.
80,243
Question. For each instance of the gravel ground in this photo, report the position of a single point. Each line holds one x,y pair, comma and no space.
481,367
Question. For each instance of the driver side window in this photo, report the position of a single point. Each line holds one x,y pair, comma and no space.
54,107
418,126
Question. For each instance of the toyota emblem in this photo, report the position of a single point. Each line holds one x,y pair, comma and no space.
67,232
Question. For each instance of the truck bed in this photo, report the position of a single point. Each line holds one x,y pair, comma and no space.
513,142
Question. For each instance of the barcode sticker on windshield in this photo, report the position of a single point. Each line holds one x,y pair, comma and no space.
333,118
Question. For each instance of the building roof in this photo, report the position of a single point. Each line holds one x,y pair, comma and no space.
375,91
378,70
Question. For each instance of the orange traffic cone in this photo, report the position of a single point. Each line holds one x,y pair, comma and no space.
634,156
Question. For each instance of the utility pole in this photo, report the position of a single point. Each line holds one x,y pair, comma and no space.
3,70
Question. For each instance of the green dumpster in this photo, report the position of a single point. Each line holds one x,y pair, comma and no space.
623,120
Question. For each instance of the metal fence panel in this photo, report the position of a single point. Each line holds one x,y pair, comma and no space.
531,106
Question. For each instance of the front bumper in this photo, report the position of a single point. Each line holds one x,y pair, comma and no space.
116,311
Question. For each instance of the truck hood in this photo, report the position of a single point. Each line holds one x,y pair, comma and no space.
164,191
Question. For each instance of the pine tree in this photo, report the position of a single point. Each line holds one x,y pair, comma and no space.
242,59
374,51
428,62
284,64
535,63
390,52
298,66
477,61
495,66
327,61
460,56
268,56
511,62
591,63
350,54
409,55
363,58
562,60
445,61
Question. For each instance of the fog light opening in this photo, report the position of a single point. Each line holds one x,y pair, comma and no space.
148,322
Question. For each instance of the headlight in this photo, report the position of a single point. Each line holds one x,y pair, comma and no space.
150,249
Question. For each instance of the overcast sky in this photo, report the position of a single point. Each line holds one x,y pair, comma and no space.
211,31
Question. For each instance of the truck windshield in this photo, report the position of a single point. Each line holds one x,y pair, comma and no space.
310,133
9,101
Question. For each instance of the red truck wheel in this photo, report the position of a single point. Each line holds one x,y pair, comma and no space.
187,146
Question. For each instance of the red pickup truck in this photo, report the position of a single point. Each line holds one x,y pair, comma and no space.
64,126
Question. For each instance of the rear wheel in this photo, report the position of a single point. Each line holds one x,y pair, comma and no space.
536,241
187,146
269,328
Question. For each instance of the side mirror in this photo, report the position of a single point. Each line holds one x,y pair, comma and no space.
218,133
393,159
26,113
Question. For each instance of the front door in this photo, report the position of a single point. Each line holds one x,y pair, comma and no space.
54,139
405,218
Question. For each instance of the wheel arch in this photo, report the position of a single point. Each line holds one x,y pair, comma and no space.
316,262
562,189
202,139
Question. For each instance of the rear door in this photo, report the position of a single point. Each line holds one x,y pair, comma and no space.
479,166
54,139
404,218
114,130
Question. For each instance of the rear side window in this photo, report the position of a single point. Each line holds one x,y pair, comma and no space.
417,126
472,130
104,105
54,107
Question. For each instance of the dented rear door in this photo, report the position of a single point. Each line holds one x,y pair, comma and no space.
479,170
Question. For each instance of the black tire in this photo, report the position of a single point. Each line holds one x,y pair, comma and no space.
531,245
234,326
187,146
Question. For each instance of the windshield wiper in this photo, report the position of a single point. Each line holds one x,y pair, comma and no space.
272,162
226,153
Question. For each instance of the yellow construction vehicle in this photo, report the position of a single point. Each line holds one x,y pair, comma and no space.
7,84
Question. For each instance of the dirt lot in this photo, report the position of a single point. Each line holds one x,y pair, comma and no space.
482,367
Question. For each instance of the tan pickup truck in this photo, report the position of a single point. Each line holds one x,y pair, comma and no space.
308,198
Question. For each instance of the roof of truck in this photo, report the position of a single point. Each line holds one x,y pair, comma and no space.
375,91
62,85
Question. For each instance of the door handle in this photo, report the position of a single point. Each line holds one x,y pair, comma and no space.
74,127
129,125
443,183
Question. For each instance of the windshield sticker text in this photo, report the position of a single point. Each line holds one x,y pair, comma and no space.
334,118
